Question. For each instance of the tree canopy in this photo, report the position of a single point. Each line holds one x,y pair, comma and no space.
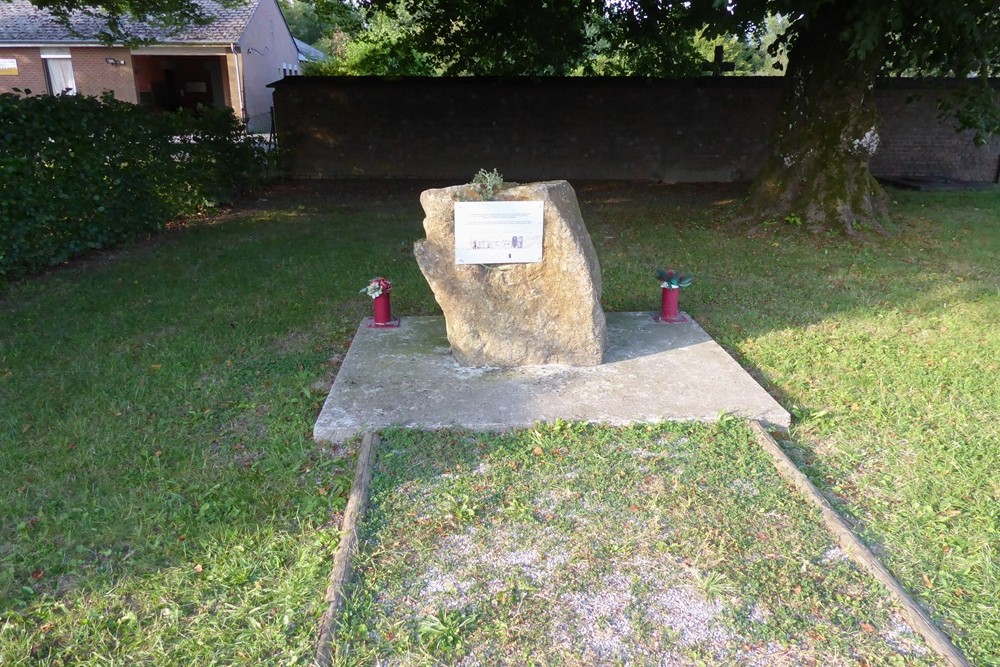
936,37
952,38
539,38
826,130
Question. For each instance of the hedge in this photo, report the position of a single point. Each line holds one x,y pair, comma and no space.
79,173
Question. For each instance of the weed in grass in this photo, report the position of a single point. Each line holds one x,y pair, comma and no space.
712,585
445,632
458,510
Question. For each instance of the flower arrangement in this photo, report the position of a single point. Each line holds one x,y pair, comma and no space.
671,279
377,287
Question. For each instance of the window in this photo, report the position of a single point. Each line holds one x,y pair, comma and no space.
59,71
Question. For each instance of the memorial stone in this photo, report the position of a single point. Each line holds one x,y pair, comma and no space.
517,314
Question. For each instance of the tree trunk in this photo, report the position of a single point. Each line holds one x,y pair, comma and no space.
824,134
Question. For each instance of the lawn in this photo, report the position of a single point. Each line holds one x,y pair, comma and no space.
570,545
163,502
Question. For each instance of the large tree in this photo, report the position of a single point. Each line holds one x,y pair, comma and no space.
827,127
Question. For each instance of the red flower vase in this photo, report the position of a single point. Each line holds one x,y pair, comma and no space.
382,313
668,307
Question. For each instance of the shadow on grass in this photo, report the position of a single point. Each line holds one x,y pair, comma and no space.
160,484
167,394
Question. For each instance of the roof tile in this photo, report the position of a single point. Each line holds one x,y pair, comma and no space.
23,23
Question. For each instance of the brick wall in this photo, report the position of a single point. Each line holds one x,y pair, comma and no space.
92,73
916,142
583,128
30,71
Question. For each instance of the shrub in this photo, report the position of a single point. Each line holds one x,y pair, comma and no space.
81,173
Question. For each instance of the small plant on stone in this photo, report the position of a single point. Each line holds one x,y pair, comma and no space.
670,279
488,181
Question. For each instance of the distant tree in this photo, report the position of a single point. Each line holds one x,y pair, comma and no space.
517,37
325,24
302,20
750,53
383,48
655,41
343,16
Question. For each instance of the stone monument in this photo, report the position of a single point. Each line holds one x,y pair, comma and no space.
516,312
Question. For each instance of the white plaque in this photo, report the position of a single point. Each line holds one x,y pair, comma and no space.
498,232
8,67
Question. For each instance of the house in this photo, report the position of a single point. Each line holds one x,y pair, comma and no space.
308,54
228,62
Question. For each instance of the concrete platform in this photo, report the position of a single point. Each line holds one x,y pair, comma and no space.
652,372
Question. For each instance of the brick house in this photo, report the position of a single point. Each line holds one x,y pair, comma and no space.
228,62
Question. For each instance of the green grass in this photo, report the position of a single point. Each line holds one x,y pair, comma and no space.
887,352
568,545
161,495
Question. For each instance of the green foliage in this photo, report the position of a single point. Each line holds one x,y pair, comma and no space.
579,38
750,53
462,37
445,631
672,38
383,49
952,38
467,37
82,173
341,15
647,40
316,22
672,279
488,181
302,21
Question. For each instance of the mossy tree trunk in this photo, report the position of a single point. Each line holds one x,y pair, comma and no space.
825,133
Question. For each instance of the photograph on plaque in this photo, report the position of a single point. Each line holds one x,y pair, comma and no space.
498,232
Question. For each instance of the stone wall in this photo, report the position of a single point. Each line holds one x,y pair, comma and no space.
583,128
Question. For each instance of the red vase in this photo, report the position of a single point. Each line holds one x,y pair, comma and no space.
669,314
382,312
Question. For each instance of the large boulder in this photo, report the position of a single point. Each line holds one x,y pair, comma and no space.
508,315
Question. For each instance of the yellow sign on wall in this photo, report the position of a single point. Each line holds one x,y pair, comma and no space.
8,67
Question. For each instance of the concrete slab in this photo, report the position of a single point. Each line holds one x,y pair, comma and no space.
652,372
